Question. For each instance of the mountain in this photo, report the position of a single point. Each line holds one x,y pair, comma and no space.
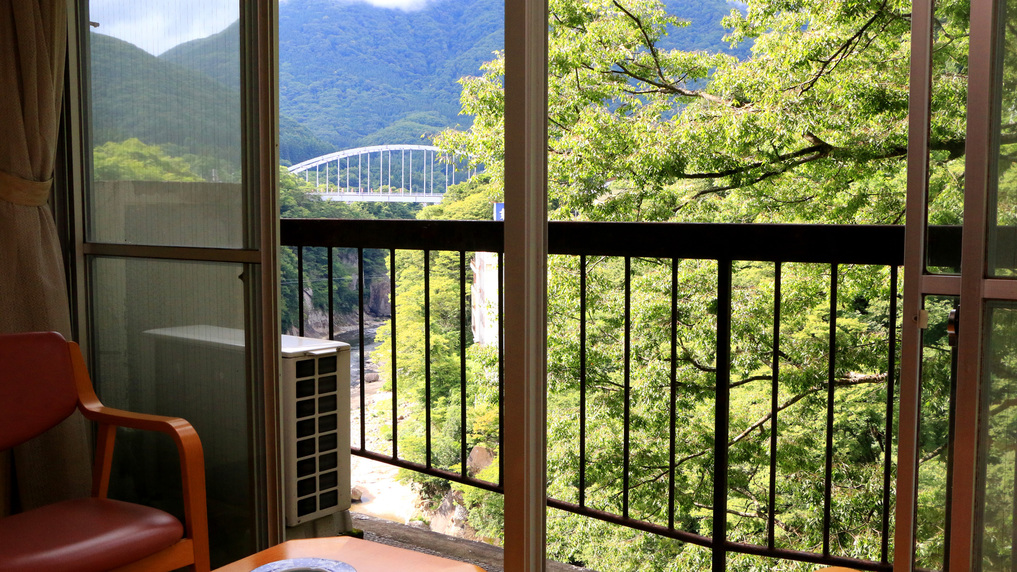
356,74
216,57
134,94
348,69
703,31
350,74
188,99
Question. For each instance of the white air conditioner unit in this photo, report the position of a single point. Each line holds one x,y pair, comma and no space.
198,372
315,403
194,373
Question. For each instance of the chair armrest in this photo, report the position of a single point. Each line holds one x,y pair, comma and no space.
192,459
180,429
188,444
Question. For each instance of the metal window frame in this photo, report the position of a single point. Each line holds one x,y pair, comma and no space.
525,283
915,286
73,169
982,143
972,286
259,124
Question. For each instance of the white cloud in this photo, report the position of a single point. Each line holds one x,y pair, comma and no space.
158,25
404,5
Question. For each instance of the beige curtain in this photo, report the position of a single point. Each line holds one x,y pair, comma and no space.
33,296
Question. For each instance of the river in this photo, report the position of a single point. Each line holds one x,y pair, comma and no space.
352,337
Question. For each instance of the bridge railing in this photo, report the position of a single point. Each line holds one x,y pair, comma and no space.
730,253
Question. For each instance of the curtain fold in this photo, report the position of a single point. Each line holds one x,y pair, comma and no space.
33,291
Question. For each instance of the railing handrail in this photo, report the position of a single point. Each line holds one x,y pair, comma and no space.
841,244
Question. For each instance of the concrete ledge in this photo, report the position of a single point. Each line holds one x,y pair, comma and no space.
488,557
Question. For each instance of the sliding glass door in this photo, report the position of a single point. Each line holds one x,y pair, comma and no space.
174,245
979,505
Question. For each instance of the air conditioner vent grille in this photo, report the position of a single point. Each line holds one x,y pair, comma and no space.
316,418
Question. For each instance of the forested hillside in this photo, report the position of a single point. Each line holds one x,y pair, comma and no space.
348,70
214,56
351,74
356,74
136,95
187,98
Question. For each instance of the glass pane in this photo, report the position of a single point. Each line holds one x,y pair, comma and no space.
938,375
999,439
946,135
166,132
170,341
1003,218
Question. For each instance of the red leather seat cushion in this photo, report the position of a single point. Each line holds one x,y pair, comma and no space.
84,535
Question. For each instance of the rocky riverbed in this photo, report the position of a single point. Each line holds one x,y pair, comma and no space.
376,490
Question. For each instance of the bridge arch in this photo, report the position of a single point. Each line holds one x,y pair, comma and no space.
400,173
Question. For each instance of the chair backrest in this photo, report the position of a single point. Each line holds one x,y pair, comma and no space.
37,388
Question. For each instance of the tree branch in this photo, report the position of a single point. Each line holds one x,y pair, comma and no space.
750,380
843,382
841,53
661,81
646,38
955,149
819,153
939,450
776,521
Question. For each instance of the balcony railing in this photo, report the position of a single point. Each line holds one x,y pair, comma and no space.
726,248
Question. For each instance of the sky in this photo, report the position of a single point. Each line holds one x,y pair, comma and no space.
157,25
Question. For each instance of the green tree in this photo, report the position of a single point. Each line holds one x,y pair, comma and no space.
470,200
812,127
132,160
297,199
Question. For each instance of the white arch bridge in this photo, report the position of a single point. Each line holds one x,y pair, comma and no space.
394,173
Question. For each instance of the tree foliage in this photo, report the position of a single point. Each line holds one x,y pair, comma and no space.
438,383
812,128
297,200
132,160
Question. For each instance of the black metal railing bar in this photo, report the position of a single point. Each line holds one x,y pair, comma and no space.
462,363
725,243
395,362
722,418
427,358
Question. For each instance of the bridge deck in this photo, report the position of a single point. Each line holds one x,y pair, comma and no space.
382,197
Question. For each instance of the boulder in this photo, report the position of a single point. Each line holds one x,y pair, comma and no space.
479,459
360,494
451,518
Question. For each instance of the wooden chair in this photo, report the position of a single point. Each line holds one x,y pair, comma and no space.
42,379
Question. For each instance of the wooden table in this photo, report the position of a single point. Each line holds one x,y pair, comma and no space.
363,555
